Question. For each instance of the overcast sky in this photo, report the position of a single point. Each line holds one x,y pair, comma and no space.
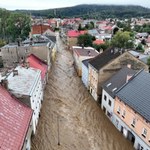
46,4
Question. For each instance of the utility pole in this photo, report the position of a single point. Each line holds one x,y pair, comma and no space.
58,130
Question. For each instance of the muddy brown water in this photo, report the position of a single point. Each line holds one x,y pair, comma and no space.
70,118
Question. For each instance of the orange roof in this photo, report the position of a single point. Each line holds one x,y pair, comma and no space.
74,33
98,42
39,29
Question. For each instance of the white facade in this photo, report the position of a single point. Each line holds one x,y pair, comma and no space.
85,74
27,86
107,105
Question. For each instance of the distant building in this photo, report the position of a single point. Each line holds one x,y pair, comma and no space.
72,36
41,46
80,54
41,29
15,123
25,83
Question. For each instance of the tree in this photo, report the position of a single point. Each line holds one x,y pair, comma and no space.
101,46
140,47
85,40
2,43
4,14
18,26
80,27
122,40
148,61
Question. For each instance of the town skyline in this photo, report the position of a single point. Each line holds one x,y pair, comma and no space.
45,4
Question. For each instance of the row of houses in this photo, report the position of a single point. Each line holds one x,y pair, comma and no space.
22,81
125,101
116,87
21,97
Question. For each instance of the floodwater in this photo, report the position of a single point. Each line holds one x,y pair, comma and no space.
70,118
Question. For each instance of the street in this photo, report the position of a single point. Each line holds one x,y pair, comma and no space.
70,118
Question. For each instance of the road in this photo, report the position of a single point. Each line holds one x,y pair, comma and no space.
70,118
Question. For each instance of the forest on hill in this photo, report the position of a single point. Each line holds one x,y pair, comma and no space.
93,11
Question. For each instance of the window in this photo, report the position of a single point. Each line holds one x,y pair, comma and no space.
108,114
133,122
105,97
109,102
144,132
123,114
118,110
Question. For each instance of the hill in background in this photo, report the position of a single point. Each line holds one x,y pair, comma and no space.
93,11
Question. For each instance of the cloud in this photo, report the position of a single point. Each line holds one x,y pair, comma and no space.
45,4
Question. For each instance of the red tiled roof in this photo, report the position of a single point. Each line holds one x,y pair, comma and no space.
74,33
39,29
51,21
107,28
15,119
37,63
98,42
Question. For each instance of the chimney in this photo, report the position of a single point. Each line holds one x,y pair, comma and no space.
15,72
129,66
4,83
89,53
27,65
128,78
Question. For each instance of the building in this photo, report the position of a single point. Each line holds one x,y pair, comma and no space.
132,107
109,90
15,123
41,29
37,63
85,72
106,64
25,84
72,36
80,54
41,46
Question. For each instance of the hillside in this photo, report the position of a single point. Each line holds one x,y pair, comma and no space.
93,11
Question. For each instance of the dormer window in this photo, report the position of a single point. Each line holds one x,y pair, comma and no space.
108,84
114,89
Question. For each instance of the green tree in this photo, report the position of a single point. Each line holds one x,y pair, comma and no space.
101,46
4,14
80,27
85,40
122,40
18,26
148,61
140,47
2,43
